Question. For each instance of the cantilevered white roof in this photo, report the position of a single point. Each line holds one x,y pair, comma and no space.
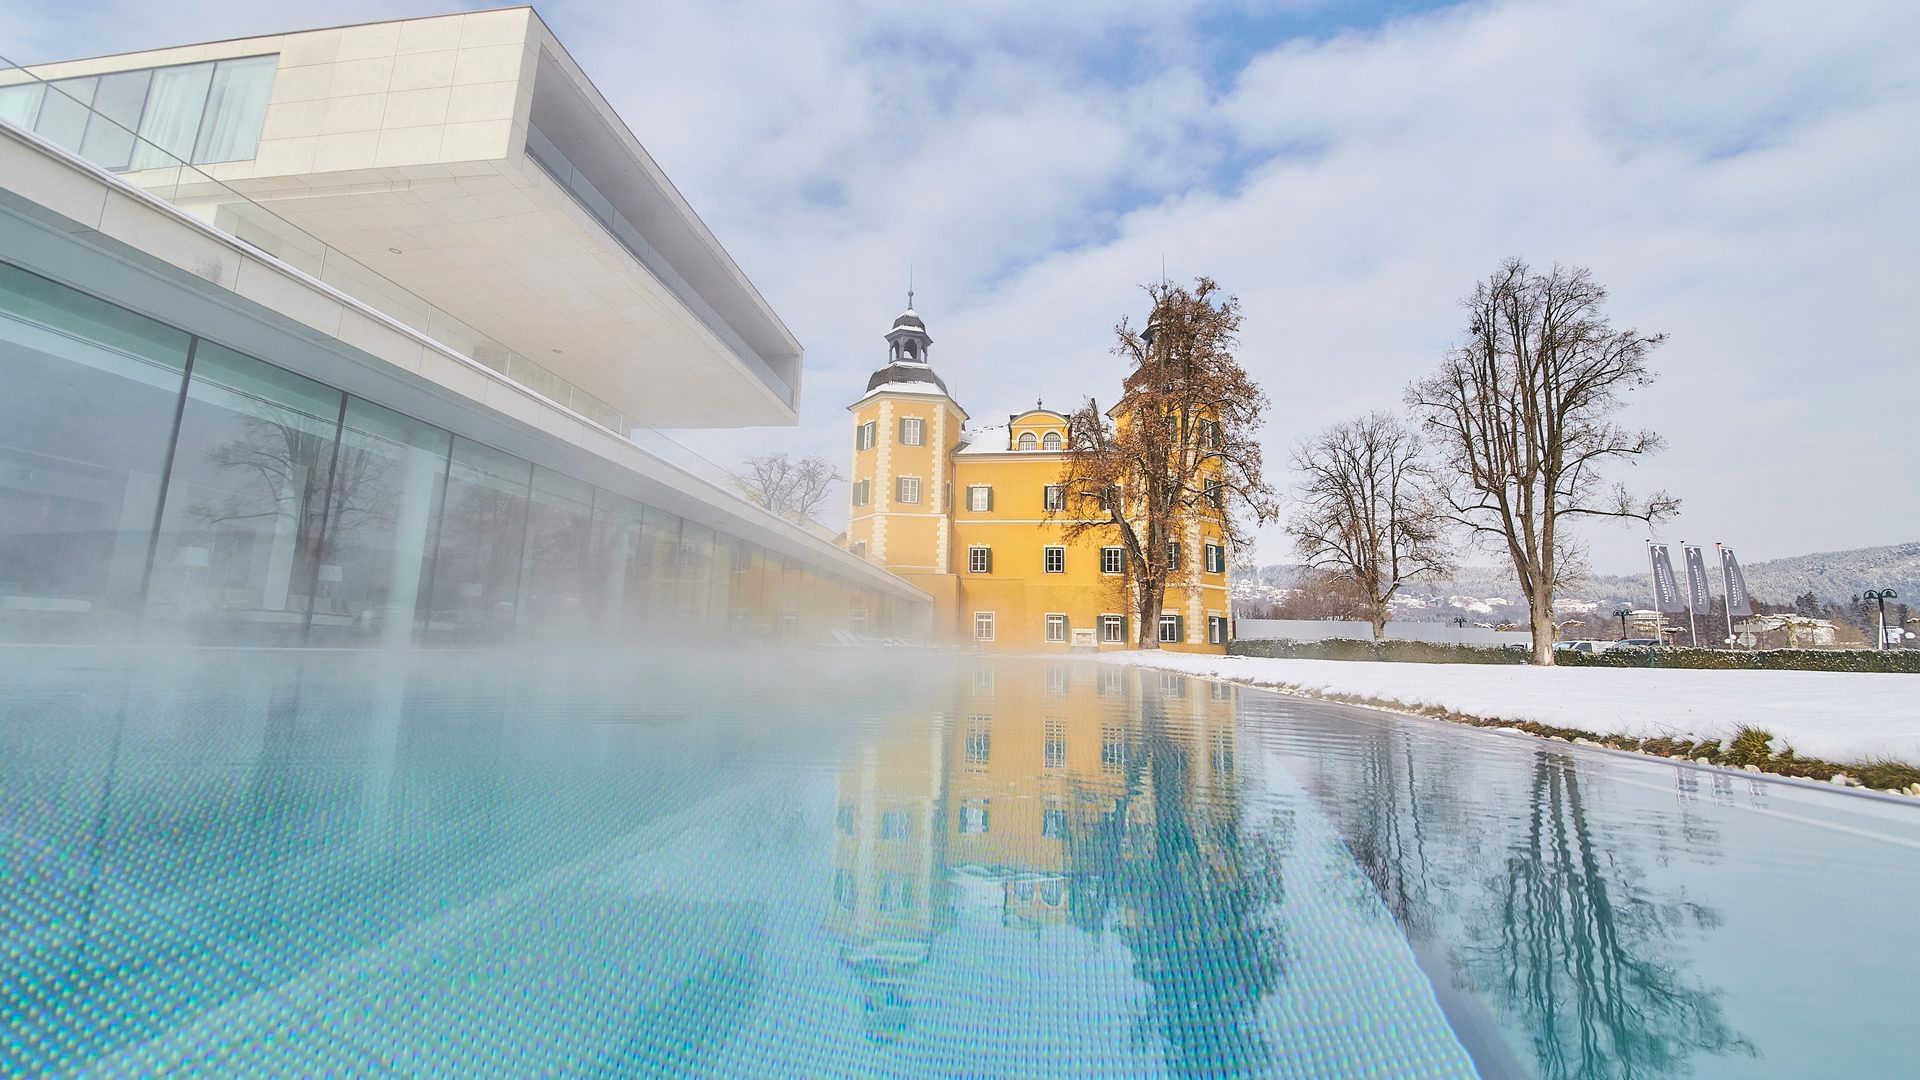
468,160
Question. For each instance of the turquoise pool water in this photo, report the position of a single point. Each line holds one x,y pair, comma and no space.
464,864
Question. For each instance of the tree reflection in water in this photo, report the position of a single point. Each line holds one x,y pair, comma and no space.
1574,942
1202,893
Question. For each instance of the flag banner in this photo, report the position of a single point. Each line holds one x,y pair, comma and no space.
1666,591
1698,597
1738,603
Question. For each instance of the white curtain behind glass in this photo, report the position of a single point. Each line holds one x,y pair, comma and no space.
172,118
236,108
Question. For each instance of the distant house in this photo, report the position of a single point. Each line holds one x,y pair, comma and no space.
1784,631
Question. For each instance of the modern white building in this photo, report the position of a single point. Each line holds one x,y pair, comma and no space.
359,335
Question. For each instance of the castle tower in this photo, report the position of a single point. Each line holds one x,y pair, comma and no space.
905,429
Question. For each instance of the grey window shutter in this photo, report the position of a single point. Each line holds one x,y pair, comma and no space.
1180,628
989,498
989,560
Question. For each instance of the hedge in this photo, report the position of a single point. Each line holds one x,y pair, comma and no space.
1896,661
1903,661
1406,652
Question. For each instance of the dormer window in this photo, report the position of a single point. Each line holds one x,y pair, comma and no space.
1027,441
1051,442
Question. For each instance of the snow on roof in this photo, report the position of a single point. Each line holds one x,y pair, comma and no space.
986,440
904,388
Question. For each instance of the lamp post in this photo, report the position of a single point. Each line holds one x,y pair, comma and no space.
1621,614
1880,597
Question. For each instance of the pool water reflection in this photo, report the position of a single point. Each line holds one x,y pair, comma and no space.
839,864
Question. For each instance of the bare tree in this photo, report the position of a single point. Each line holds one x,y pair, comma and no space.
794,489
1363,513
1181,444
1521,413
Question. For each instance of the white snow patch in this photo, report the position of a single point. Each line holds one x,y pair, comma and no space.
1840,716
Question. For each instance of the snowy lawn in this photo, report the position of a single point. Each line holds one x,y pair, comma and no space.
1840,716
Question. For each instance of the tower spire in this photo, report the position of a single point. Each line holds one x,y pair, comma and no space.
909,286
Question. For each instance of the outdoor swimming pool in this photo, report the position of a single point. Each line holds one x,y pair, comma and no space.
895,864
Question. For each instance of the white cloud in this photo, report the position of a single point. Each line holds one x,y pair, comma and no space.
1740,174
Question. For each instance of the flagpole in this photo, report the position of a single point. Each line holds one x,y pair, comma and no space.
1726,583
1693,626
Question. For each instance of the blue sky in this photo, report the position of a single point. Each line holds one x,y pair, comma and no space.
1740,174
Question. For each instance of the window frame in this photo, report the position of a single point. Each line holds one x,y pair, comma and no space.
864,436
1053,559
1053,498
1116,622
1116,554
1216,558
1179,629
918,429
973,504
1051,620
1027,441
899,490
983,619
979,559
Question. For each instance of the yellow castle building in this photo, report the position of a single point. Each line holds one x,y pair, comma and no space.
972,515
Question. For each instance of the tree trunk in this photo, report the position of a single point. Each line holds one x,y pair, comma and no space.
1379,620
1152,595
1542,617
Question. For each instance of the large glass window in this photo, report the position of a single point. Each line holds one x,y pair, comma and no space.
64,110
116,115
246,500
382,518
660,547
88,393
172,117
695,564
555,576
476,571
198,113
236,109
614,564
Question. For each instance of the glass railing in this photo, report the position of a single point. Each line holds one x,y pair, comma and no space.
196,192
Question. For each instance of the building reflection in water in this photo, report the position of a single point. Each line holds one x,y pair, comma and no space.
1091,796
1111,801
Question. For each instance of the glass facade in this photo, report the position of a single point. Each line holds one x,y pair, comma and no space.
193,113
160,484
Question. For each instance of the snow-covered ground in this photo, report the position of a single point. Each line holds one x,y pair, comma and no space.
1840,716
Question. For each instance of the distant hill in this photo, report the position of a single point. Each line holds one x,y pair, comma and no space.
1835,576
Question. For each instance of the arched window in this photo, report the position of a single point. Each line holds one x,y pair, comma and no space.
1027,441
1051,442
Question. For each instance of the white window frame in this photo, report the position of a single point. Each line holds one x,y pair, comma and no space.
1053,559
1053,498
1028,441
979,498
1117,555
979,559
1056,620
1116,623
1216,629
1173,554
863,436
1051,441
900,490
1216,559
862,492
1171,619
983,620
913,431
